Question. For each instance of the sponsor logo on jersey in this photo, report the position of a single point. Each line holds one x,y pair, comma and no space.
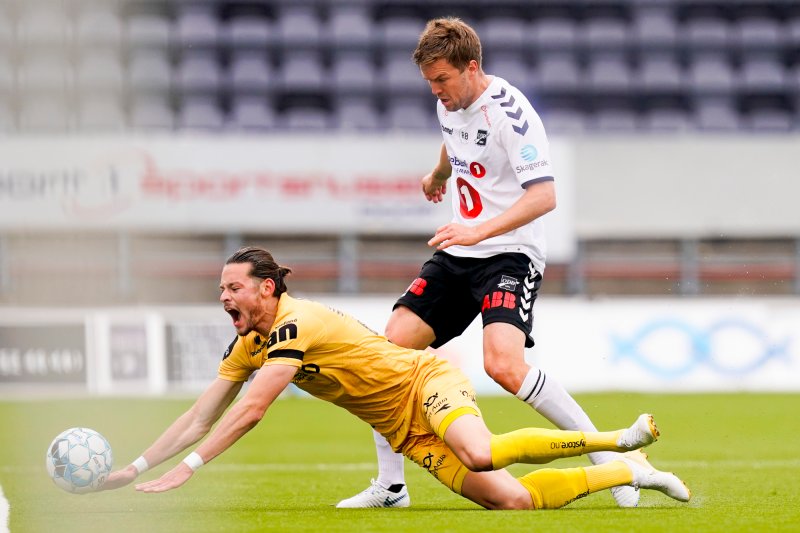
447,130
529,152
456,162
477,170
485,110
430,466
508,283
282,333
532,166
417,287
482,136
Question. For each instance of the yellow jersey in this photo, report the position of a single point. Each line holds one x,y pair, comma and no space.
340,360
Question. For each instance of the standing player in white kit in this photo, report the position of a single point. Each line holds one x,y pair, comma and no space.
490,258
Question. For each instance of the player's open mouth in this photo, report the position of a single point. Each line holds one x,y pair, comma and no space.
235,315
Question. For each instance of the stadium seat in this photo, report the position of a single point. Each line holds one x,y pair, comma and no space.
247,31
43,25
152,112
769,120
400,76
251,114
758,33
553,33
302,71
357,115
763,73
350,26
613,120
608,73
98,27
717,117
707,32
44,114
7,76
198,72
306,119
149,70
666,120
564,120
249,72
7,118
558,72
353,73
503,33
411,115
512,67
299,27
100,113
44,71
710,73
200,114
659,73
655,27
400,33
99,69
148,30
196,27
604,33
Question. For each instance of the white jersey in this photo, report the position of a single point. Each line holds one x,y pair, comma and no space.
497,147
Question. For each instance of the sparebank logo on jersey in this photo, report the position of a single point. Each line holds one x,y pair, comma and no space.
456,162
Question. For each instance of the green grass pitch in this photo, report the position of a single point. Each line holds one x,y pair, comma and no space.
737,452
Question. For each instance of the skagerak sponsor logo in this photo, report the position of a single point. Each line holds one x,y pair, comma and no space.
532,166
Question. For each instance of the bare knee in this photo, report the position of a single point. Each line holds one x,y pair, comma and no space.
518,501
408,330
476,458
504,372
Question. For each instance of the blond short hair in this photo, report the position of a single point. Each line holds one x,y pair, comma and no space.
450,39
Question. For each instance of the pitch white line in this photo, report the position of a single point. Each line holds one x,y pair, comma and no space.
5,508
353,467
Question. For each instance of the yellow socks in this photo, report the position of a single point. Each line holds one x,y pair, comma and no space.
552,488
538,446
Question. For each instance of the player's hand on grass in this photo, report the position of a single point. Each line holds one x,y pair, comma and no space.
434,188
120,478
171,480
451,234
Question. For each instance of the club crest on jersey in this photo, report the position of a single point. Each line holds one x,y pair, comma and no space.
507,283
482,136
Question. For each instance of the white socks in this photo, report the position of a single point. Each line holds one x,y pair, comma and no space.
552,401
390,463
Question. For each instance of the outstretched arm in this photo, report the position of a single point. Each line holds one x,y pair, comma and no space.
189,428
242,417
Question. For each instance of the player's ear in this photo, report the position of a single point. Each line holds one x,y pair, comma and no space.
268,287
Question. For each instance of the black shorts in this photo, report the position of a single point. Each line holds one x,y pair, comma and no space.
450,292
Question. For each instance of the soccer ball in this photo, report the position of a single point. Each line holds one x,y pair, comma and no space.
79,460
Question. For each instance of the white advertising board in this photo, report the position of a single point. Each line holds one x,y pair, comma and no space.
271,184
646,345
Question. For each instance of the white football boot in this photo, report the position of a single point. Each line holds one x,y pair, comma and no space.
641,433
377,496
645,476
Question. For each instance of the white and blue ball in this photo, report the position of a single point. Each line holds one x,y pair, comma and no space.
79,460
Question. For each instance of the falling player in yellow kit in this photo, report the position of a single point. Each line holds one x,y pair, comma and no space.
424,406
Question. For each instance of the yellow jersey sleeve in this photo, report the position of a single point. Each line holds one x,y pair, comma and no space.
241,358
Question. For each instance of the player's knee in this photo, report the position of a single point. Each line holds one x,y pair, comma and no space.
503,374
519,501
477,458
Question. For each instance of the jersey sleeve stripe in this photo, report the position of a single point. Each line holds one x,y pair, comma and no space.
537,180
289,354
230,349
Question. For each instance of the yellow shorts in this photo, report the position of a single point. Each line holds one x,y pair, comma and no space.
443,398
